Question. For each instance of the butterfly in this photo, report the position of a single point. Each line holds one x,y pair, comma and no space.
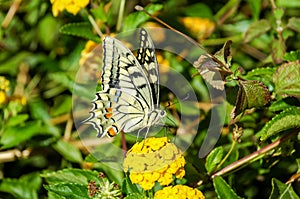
129,99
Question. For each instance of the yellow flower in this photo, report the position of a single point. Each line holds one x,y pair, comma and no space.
154,160
72,6
179,192
199,27
3,97
4,84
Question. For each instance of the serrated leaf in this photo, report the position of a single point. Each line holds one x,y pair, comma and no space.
256,29
99,13
287,79
294,24
133,20
82,29
223,190
69,190
68,151
252,94
292,56
282,190
285,120
71,176
213,159
12,136
278,50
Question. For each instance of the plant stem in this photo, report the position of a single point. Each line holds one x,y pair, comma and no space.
95,26
253,156
227,155
121,14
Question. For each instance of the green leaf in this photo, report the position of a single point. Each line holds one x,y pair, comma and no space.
292,56
287,79
16,120
25,187
47,31
193,11
62,105
256,29
99,13
278,50
282,190
14,135
11,65
285,120
133,20
69,190
265,75
223,190
255,8
82,29
79,176
68,151
128,187
278,13
213,159
294,24
38,110
135,196
223,55
251,94
283,104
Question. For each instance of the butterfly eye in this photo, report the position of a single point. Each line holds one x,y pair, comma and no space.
163,113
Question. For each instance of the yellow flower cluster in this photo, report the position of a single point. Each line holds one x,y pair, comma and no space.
179,192
4,87
72,6
199,27
154,160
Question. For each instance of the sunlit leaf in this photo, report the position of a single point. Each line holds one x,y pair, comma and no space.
223,190
133,20
282,190
285,120
81,29
69,190
287,79
213,159
292,56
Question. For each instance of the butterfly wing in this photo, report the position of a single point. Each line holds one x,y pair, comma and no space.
122,71
147,59
114,110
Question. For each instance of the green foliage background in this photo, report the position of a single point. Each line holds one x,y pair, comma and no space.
41,155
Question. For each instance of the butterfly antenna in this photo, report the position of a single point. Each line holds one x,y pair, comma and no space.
140,8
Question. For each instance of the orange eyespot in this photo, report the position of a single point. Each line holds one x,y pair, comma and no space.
112,131
108,115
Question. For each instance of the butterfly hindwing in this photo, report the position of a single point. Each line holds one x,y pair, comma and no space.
114,110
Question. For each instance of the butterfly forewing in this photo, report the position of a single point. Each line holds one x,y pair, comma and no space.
146,57
123,71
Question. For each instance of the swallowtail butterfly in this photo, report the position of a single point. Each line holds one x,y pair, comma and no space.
129,99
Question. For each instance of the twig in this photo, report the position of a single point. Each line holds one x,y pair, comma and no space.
254,155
